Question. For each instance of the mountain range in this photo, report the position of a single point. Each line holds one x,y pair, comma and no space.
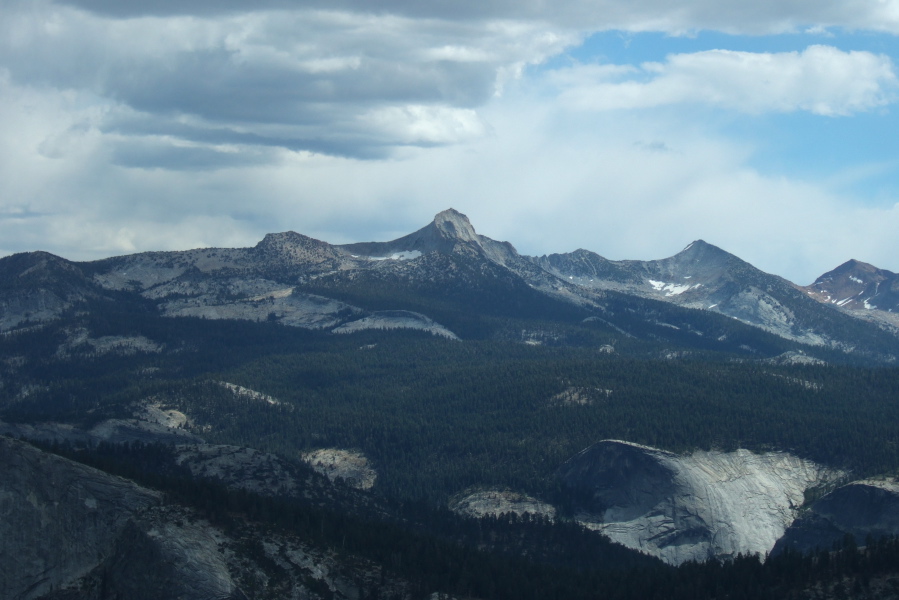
411,282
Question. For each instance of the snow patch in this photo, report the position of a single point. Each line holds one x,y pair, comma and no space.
671,289
856,279
405,255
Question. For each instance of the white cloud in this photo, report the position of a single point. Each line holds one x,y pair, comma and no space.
335,82
822,80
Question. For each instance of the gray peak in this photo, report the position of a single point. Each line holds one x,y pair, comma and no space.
287,238
857,269
454,225
701,249
449,232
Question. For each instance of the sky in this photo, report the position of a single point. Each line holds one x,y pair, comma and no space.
625,127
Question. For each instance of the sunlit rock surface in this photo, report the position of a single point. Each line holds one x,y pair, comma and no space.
492,503
350,466
695,507
396,319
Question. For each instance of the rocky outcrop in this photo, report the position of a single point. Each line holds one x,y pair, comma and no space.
150,425
38,287
166,553
396,319
694,507
240,468
862,508
351,467
284,306
450,231
58,519
70,532
493,503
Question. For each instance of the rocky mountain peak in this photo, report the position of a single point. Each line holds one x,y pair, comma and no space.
859,286
701,250
291,247
454,225
448,233
286,239
857,271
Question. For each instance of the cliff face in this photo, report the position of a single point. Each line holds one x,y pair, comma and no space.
58,519
70,532
861,509
680,508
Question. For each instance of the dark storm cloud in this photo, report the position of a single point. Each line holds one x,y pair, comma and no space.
348,78
763,16
327,83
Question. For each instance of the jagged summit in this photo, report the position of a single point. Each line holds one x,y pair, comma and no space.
454,224
449,232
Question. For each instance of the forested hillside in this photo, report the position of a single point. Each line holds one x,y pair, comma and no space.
438,416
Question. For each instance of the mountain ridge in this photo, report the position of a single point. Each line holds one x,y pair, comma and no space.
292,278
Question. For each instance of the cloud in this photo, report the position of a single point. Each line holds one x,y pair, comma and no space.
342,83
822,80
731,16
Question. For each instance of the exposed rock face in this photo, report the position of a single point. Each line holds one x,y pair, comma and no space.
794,357
248,394
396,319
861,508
862,290
352,467
703,276
82,341
151,424
580,396
38,287
282,305
450,231
58,519
239,468
496,502
70,532
679,508
158,556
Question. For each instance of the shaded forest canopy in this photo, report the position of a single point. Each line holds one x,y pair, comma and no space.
437,416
